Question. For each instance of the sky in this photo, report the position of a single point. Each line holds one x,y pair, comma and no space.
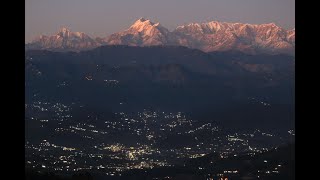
100,18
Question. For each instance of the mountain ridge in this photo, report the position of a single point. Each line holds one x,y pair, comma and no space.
169,78
211,36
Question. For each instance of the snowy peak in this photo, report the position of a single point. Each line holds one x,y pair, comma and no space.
215,26
64,31
64,40
224,36
142,32
143,21
143,24
206,36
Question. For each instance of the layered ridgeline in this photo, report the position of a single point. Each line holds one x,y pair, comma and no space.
211,36
257,89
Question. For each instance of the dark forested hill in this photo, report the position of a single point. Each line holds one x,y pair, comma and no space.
170,77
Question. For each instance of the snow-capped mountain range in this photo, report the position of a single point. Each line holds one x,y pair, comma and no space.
64,40
211,36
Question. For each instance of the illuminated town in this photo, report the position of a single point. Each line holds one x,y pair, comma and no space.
113,146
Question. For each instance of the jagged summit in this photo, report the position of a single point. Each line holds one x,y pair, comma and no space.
206,36
64,40
64,29
142,32
142,19
144,24
248,38
66,32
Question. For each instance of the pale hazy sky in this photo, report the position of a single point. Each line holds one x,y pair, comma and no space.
103,17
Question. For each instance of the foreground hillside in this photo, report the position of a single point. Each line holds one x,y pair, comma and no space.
257,88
